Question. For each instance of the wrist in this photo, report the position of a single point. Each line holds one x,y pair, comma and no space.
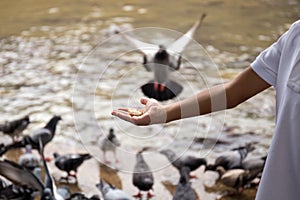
172,112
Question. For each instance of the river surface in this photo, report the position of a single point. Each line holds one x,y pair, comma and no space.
63,57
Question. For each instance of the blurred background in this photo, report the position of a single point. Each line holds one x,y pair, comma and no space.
44,44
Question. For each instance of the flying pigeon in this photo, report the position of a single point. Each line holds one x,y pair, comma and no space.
184,190
15,128
109,143
189,161
232,159
110,192
70,162
46,134
28,159
142,176
162,60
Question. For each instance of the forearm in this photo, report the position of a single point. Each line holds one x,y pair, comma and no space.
207,101
220,97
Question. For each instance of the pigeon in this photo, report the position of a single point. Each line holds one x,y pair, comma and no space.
109,143
110,192
189,161
162,60
255,166
184,190
80,196
46,134
235,178
70,162
26,179
11,191
16,193
142,176
29,160
22,179
232,159
15,128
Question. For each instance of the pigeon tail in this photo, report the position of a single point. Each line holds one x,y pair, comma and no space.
86,156
5,148
170,90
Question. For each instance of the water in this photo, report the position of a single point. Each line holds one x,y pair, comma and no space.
55,52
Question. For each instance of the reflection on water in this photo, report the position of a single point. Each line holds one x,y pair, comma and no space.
48,48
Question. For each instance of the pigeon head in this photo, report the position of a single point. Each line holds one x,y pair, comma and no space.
162,53
47,194
111,134
51,125
55,155
250,147
26,120
112,138
103,187
28,148
169,154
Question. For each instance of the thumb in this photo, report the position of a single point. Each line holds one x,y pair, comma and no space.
144,100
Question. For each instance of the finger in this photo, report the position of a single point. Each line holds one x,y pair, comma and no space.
122,115
144,100
123,109
117,112
141,120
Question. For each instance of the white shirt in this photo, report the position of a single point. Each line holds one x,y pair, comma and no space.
279,65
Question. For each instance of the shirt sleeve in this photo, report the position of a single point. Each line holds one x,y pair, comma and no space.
267,63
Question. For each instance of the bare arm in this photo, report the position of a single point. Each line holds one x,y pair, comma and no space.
225,96
242,87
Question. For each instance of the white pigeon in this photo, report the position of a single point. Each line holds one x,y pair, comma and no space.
109,143
29,159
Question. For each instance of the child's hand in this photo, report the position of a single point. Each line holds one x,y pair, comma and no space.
154,113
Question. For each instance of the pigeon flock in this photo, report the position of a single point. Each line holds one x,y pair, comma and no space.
30,178
23,180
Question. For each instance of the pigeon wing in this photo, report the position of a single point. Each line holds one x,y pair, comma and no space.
143,47
179,45
19,175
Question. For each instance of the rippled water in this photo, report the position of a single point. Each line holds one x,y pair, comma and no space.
63,58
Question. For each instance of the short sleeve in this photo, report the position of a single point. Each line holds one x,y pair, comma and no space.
267,63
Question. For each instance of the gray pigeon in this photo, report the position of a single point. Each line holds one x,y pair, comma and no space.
110,192
109,143
70,162
184,190
191,162
28,159
15,128
162,60
231,159
142,176
46,134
